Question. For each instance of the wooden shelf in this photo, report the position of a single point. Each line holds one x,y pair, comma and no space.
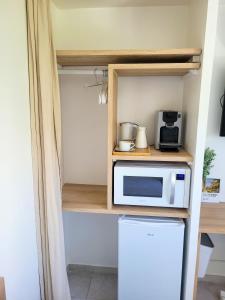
93,199
105,57
150,211
159,69
212,218
135,152
156,155
84,198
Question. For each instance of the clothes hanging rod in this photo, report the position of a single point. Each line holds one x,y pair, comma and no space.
62,71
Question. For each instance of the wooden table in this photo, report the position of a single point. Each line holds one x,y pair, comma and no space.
212,218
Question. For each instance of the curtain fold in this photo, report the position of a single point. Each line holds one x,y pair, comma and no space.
46,151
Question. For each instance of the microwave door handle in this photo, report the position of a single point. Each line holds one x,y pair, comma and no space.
172,191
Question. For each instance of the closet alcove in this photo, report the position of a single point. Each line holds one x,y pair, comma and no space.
85,122
90,218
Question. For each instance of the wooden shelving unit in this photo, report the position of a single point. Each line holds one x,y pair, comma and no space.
168,62
93,199
105,57
212,218
116,70
156,155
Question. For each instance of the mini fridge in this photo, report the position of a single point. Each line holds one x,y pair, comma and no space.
150,258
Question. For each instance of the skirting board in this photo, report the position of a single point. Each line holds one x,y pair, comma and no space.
107,270
216,267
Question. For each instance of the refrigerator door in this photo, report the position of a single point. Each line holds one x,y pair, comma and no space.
150,258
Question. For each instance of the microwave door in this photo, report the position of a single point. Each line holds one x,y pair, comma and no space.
143,187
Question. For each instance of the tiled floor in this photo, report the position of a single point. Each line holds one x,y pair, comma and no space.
97,284
209,288
92,285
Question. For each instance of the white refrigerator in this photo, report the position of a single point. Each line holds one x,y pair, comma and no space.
150,258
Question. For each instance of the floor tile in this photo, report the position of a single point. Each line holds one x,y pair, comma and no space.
79,284
209,288
97,285
103,287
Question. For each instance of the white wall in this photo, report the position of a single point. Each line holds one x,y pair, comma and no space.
139,98
91,239
18,249
196,22
84,131
214,141
120,28
217,89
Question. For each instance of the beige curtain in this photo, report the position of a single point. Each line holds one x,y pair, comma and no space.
46,143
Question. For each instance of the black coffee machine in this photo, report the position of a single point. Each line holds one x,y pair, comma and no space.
168,130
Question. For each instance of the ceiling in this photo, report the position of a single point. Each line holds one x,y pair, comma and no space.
67,4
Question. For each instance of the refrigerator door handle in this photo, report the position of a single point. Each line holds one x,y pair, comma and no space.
172,191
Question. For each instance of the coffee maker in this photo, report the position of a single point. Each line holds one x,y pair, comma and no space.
168,130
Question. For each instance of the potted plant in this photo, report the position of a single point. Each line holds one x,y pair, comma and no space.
209,157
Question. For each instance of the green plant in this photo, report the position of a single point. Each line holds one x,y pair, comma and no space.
209,157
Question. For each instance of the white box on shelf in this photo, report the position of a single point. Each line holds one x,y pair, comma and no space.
210,198
211,192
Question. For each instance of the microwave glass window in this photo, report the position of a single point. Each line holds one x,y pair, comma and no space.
138,186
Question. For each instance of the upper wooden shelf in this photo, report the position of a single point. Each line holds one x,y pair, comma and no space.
156,155
212,218
93,199
156,69
105,57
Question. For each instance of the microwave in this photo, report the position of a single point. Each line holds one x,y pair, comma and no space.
152,184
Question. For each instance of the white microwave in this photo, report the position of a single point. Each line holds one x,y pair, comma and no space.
152,184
